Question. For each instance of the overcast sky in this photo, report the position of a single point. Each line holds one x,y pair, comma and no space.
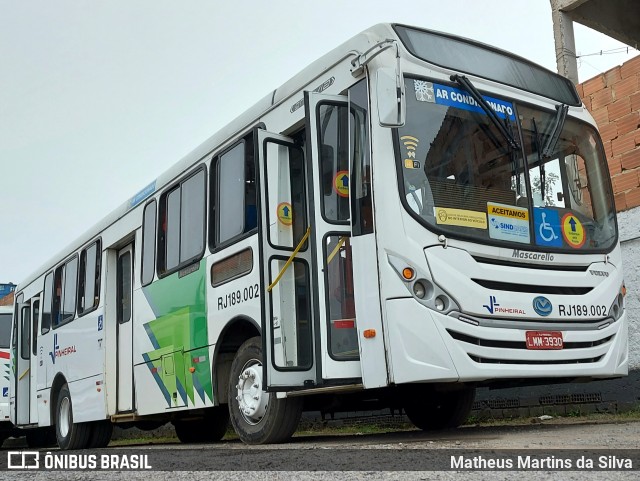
97,98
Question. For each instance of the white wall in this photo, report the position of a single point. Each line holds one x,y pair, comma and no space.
629,224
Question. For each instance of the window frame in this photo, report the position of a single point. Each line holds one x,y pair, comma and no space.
35,310
161,270
215,170
153,244
44,299
66,321
249,141
320,136
25,344
81,275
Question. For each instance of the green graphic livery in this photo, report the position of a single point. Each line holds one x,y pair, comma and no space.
180,362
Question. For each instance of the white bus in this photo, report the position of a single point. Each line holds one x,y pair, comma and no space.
410,217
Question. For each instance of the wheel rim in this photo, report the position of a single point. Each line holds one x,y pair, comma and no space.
252,400
64,417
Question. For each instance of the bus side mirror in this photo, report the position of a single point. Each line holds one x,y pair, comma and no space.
391,100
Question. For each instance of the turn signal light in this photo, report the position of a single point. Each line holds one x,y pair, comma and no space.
192,370
369,333
408,273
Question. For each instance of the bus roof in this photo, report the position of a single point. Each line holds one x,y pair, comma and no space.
353,47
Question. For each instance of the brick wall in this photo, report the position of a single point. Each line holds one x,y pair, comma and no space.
613,98
7,300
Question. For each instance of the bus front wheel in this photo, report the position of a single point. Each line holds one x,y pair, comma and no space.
433,410
258,417
70,435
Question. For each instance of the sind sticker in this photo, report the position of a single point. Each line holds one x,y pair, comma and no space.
508,222
461,217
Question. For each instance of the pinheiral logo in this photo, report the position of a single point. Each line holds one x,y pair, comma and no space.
542,306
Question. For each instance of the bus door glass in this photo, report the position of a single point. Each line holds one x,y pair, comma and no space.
22,359
124,312
327,118
287,320
35,320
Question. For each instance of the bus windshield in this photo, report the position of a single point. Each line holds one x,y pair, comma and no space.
460,176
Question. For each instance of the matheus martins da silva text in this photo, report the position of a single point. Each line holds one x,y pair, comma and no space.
547,462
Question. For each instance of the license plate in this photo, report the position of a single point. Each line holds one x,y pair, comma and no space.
544,340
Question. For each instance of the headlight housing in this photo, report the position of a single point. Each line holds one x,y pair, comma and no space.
422,287
617,307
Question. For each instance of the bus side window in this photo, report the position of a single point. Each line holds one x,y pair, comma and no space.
360,195
25,331
333,142
34,330
46,303
56,306
148,243
89,279
233,194
181,234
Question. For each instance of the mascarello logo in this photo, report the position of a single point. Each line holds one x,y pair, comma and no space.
542,306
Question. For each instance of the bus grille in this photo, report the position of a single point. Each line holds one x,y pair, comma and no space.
486,360
521,344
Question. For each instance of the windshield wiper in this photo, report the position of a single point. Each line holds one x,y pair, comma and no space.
554,135
466,84
536,141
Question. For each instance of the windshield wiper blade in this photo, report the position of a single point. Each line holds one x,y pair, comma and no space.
536,141
466,84
558,124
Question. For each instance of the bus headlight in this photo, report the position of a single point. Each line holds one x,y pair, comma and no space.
419,290
423,289
617,308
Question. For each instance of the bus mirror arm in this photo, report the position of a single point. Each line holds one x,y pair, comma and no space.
362,59
389,85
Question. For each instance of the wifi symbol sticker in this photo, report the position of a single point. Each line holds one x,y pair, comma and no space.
410,143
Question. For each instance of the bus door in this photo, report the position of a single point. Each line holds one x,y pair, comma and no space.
124,323
286,270
33,371
328,125
22,361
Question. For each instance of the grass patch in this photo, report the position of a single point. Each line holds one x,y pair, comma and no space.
368,427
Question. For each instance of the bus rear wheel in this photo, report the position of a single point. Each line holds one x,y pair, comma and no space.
100,436
257,416
70,435
432,410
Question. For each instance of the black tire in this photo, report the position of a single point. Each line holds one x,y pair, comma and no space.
209,429
41,437
70,435
268,419
101,432
431,410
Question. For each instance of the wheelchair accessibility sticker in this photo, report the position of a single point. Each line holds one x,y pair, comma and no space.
547,227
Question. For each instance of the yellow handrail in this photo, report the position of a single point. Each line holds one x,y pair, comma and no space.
341,241
290,260
23,374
